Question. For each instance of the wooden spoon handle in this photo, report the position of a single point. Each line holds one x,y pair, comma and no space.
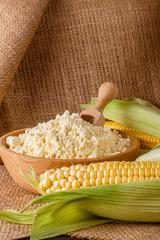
107,92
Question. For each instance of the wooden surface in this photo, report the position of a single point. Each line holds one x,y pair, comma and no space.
14,160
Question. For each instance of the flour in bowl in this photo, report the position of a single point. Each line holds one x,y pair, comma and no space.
68,137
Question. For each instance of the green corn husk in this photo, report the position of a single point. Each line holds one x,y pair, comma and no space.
31,178
153,155
61,217
138,202
25,218
84,207
133,112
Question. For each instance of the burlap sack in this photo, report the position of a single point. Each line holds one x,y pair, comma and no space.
77,46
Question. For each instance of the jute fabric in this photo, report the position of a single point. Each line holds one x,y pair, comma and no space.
54,56
77,46
18,22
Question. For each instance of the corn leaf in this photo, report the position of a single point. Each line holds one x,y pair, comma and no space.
132,114
62,217
153,155
138,201
31,178
17,217
79,208
54,197
141,102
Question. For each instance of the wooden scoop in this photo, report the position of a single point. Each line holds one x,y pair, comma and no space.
107,92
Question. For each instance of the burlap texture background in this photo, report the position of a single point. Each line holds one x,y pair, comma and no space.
77,46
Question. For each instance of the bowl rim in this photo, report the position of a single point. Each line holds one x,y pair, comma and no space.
4,147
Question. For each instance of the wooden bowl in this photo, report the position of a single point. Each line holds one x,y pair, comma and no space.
13,161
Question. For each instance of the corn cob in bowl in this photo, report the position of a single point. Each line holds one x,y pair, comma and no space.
95,174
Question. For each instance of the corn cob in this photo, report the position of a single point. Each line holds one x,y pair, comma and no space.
96,174
147,141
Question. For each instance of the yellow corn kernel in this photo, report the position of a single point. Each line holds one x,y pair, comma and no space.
136,172
141,172
157,172
93,174
75,184
102,167
112,173
130,179
121,165
98,181
53,189
100,174
115,166
48,190
46,182
79,174
80,180
109,166
73,172
66,173
124,172
143,165
47,174
73,167
106,173
90,168
41,186
147,172
152,172
63,182
124,179
78,166
119,172
86,183
112,180
56,184
154,165
130,172
71,179
96,168
68,185
83,168
118,179
127,165
137,165
86,175
53,177
149,165
135,179
60,175
92,182
105,180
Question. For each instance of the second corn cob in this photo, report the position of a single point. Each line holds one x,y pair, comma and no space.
147,141
96,174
